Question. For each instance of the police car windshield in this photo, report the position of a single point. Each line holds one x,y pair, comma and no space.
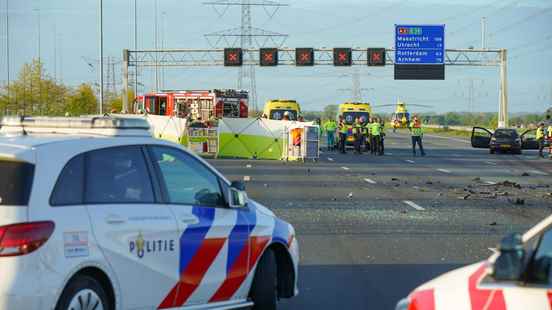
350,117
16,179
279,114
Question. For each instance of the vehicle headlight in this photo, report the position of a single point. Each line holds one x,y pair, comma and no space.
403,304
493,139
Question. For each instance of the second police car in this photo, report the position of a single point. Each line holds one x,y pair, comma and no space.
517,277
97,214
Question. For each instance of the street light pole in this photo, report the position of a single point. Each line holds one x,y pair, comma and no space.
100,109
8,50
156,32
135,47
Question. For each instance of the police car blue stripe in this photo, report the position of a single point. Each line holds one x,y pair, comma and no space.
193,236
239,236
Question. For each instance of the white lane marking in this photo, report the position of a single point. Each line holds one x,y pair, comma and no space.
538,172
491,163
389,153
248,166
370,181
330,159
493,250
444,170
409,161
490,182
413,205
345,168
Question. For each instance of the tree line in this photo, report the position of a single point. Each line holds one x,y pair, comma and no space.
35,92
484,119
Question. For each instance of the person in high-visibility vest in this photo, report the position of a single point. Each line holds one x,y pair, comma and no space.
417,133
540,136
376,136
382,135
357,134
342,134
368,131
373,145
330,127
549,137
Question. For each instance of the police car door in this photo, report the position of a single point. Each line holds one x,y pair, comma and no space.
213,238
138,236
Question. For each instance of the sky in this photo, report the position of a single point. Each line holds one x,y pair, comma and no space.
69,47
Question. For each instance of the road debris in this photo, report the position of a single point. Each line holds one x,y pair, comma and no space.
518,201
509,184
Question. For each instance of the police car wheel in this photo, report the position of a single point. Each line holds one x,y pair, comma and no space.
264,291
83,293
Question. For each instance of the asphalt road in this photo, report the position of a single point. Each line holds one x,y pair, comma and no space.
371,229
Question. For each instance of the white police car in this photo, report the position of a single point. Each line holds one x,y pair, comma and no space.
97,214
517,277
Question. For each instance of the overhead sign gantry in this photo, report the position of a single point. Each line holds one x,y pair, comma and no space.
306,57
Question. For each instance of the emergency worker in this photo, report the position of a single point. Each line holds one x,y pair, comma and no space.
540,136
330,127
372,138
417,133
549,138
366,133
342,134
382,135
357,134
376,136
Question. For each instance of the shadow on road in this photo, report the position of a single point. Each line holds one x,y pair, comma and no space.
344,287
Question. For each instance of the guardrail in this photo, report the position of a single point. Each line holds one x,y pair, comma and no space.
459,128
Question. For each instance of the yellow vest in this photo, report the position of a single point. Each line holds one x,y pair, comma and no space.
417,131
540,133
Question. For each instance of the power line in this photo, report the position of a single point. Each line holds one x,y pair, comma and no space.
521,21
470,25
518,22
246,34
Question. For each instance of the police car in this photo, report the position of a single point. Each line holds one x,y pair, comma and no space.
97,214
517,276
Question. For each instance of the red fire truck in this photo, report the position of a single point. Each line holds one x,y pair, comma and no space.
195,104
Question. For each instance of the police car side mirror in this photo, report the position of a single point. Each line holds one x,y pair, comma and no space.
237,198
509,265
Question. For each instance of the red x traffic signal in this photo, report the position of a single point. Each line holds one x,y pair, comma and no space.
342,56
268,57
304,57
233,57
376,56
